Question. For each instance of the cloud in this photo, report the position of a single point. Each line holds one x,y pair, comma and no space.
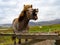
10,9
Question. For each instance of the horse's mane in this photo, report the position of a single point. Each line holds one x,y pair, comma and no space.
22,15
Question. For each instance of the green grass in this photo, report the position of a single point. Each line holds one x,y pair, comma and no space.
45,28
4,40
37,28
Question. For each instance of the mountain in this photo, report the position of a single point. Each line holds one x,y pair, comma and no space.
56,21
5,25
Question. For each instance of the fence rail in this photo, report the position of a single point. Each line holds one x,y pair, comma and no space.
50,36
41,36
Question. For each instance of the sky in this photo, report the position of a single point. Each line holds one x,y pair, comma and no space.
10,9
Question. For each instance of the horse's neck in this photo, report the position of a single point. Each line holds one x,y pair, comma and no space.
24,22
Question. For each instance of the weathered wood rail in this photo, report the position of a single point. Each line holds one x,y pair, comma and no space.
54,36
45,38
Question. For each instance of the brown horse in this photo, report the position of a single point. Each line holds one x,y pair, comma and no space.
20,24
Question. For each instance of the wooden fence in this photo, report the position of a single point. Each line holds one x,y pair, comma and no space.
40,36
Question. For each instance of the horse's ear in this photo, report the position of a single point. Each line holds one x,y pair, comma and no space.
24,4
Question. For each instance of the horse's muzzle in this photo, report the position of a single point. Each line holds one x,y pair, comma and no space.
35,17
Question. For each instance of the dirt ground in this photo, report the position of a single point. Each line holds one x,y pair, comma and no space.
45,42
40,42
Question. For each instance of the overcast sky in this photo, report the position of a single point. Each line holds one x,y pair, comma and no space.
10,9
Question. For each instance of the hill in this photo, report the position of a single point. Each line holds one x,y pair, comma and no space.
56,21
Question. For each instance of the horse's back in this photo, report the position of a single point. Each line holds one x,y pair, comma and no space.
15,20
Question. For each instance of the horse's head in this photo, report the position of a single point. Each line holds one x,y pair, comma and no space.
35,12
32,14
28,12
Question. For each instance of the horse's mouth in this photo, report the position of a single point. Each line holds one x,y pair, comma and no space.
35,17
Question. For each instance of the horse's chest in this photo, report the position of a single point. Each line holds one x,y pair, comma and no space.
21,26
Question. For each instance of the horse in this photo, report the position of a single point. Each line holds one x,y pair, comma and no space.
20,24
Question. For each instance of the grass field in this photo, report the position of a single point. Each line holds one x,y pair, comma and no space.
5,40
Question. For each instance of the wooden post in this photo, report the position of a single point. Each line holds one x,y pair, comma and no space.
57,42
19,41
